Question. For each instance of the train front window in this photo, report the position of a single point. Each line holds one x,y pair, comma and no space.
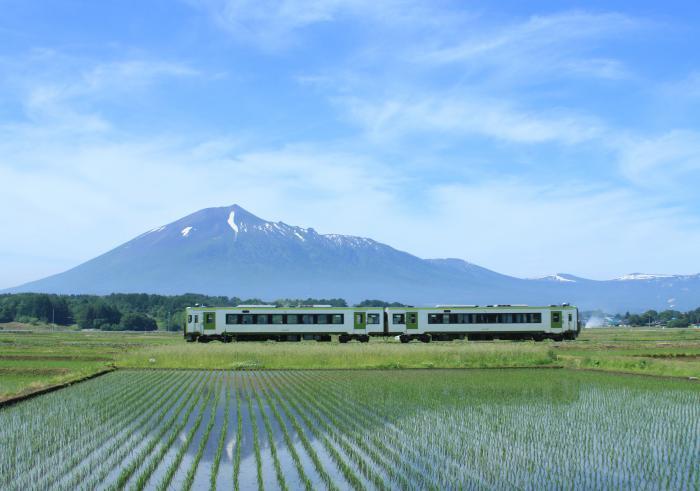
399,319
189,319
196,318
372,318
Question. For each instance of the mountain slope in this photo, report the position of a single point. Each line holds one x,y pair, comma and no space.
229,251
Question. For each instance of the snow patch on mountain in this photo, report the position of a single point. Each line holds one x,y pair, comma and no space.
643,276
232,222
186,231
557,277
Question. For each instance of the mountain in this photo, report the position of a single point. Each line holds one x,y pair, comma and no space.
229,251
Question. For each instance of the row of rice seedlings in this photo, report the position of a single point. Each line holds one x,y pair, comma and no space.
304,479
52,416
156,459
189,437
323,436
93,458
409,466
301,433
189,478
256,441
270,436
189,401
544,447
393,462
341,432
135,438
239,441
392,441
34,424
214,470
452,466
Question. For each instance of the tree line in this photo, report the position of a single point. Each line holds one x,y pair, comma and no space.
668,318
132,311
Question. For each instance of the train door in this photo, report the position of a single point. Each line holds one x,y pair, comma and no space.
360,320
556,319
209,319
411,319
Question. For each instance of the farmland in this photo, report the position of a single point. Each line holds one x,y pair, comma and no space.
40,359
376,429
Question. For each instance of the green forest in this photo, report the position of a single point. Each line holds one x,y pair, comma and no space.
124,311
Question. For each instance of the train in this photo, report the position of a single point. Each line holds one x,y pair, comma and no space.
425,324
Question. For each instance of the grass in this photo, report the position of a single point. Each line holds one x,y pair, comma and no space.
33,361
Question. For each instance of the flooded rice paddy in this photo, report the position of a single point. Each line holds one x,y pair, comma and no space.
410,429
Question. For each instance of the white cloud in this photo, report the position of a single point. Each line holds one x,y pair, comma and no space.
276,24
661,161
548,44
464,116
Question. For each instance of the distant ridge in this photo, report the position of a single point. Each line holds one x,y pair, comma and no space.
229,251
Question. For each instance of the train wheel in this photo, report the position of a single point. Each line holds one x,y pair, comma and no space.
404,338
343,338
425,338
364,338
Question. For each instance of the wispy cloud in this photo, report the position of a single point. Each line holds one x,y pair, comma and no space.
464,116
661,161
547,44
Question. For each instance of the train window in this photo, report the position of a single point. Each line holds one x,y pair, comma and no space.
372,318
433,318
277,318
246,319
196,318
555,317
537,318
399,319
445,318
358,319
189,319
292,319
322,319
209,318
307,319
231,318
570,318
412,317
338,319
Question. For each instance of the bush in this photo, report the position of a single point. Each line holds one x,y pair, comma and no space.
137,322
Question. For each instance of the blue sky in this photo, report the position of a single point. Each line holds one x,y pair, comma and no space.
527,137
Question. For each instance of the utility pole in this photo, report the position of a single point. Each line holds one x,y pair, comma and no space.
53,318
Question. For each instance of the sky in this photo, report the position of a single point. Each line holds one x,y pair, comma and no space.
526,137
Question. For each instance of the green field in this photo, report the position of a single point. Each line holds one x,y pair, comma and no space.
32,361
356,429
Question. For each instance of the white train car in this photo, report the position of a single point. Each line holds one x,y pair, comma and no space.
267,322
447,322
